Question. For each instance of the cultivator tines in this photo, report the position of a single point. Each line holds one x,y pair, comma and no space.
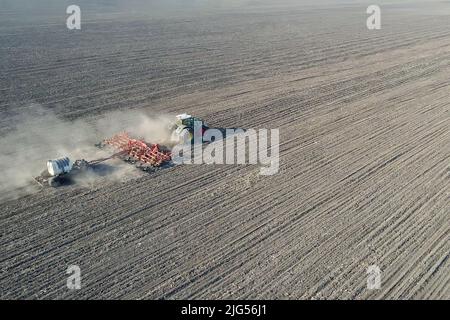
151,154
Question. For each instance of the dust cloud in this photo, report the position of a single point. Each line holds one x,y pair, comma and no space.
40,136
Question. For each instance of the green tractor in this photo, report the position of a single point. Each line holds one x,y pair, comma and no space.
187,127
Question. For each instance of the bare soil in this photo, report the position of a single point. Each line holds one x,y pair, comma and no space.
365,149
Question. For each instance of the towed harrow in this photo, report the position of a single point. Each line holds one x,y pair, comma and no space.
137,150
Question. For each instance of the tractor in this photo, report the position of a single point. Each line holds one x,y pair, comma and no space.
188,129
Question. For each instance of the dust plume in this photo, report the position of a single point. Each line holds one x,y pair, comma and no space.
40,135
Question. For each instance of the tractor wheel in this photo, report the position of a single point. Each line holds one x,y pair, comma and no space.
204,138
186,137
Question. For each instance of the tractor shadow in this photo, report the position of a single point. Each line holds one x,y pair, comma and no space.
226,133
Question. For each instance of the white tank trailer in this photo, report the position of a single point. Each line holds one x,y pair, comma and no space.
59,166
60,169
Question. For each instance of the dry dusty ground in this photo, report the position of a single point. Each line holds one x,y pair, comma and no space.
365,150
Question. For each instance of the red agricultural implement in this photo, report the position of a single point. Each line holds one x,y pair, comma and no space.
147,154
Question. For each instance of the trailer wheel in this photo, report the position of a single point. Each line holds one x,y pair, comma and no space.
53,182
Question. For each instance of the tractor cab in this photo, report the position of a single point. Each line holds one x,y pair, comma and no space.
187,121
